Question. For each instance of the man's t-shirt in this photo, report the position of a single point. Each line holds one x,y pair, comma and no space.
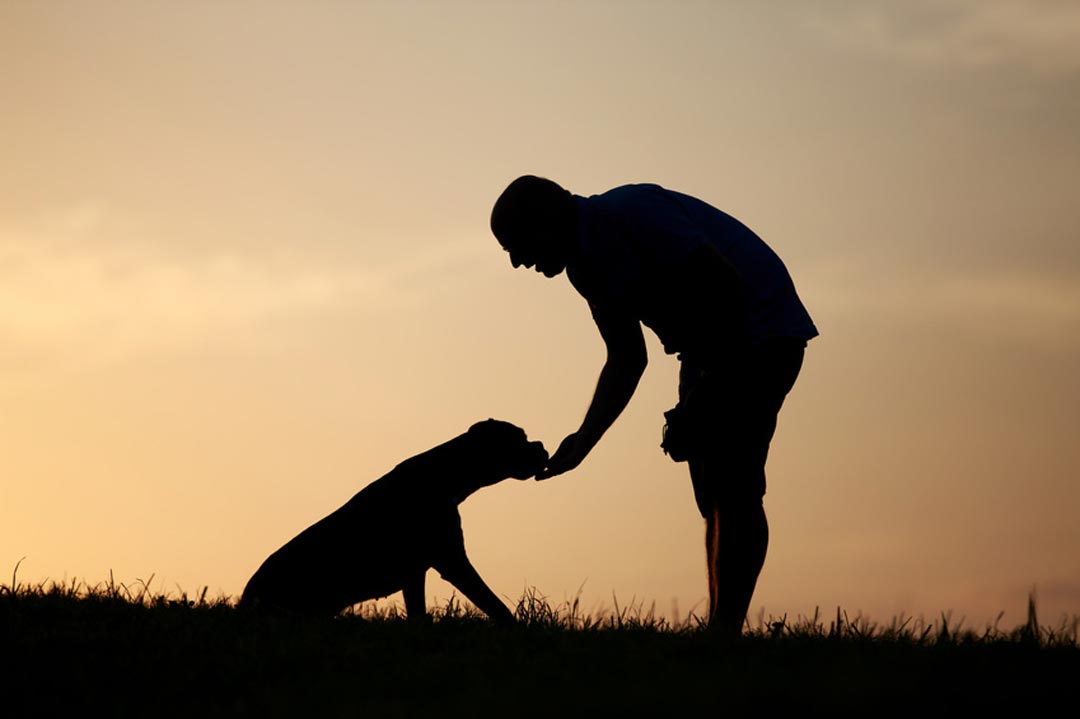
635,242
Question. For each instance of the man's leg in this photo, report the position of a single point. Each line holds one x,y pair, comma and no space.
729,482
743,538
736,541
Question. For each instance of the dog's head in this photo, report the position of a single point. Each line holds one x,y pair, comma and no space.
508,449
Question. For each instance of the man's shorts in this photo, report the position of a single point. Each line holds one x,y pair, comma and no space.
733,408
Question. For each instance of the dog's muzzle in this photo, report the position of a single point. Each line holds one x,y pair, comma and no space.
536,460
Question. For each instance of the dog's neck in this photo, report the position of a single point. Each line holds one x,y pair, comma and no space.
455,480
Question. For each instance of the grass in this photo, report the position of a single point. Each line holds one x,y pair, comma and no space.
124,650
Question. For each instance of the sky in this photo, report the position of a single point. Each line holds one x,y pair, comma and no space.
245,269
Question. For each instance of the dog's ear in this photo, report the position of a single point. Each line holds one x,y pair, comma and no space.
484,426
497,432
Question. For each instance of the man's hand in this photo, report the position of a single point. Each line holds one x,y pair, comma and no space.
626,361
569,455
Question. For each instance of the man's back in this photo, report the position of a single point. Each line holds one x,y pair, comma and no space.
637,237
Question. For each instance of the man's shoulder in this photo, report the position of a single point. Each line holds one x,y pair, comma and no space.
627,194
632,209
651,206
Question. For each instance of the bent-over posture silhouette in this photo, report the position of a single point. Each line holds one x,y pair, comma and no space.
715,294
386,537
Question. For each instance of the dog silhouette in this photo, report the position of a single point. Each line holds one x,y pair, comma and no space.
388,535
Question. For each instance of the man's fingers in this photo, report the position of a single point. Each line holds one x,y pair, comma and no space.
553,469
562,461
547,473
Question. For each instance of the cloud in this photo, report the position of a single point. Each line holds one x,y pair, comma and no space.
95,307
1003,304
1041,36
69,298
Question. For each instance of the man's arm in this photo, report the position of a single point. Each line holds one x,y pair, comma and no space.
626,360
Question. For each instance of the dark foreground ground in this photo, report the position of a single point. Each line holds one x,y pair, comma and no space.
68,651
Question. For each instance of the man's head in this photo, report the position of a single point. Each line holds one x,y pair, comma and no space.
534,220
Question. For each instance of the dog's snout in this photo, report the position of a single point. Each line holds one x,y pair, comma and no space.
530,461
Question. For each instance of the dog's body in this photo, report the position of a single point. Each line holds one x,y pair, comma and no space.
388,535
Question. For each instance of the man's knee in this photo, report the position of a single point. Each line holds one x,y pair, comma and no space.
730,487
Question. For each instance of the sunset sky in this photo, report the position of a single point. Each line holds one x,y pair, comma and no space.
245,269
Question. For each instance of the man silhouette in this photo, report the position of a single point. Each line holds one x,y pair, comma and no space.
715,294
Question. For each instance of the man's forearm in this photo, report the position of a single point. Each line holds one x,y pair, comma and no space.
616,385
626,360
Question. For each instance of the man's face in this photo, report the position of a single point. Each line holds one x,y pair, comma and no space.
538,252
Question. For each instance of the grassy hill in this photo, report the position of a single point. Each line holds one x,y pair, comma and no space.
68,649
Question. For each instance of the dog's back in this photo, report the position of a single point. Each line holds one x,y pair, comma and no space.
364,549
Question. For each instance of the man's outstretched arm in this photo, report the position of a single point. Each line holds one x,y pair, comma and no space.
626,360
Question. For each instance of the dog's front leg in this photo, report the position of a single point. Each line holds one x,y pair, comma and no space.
459,571
415,602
